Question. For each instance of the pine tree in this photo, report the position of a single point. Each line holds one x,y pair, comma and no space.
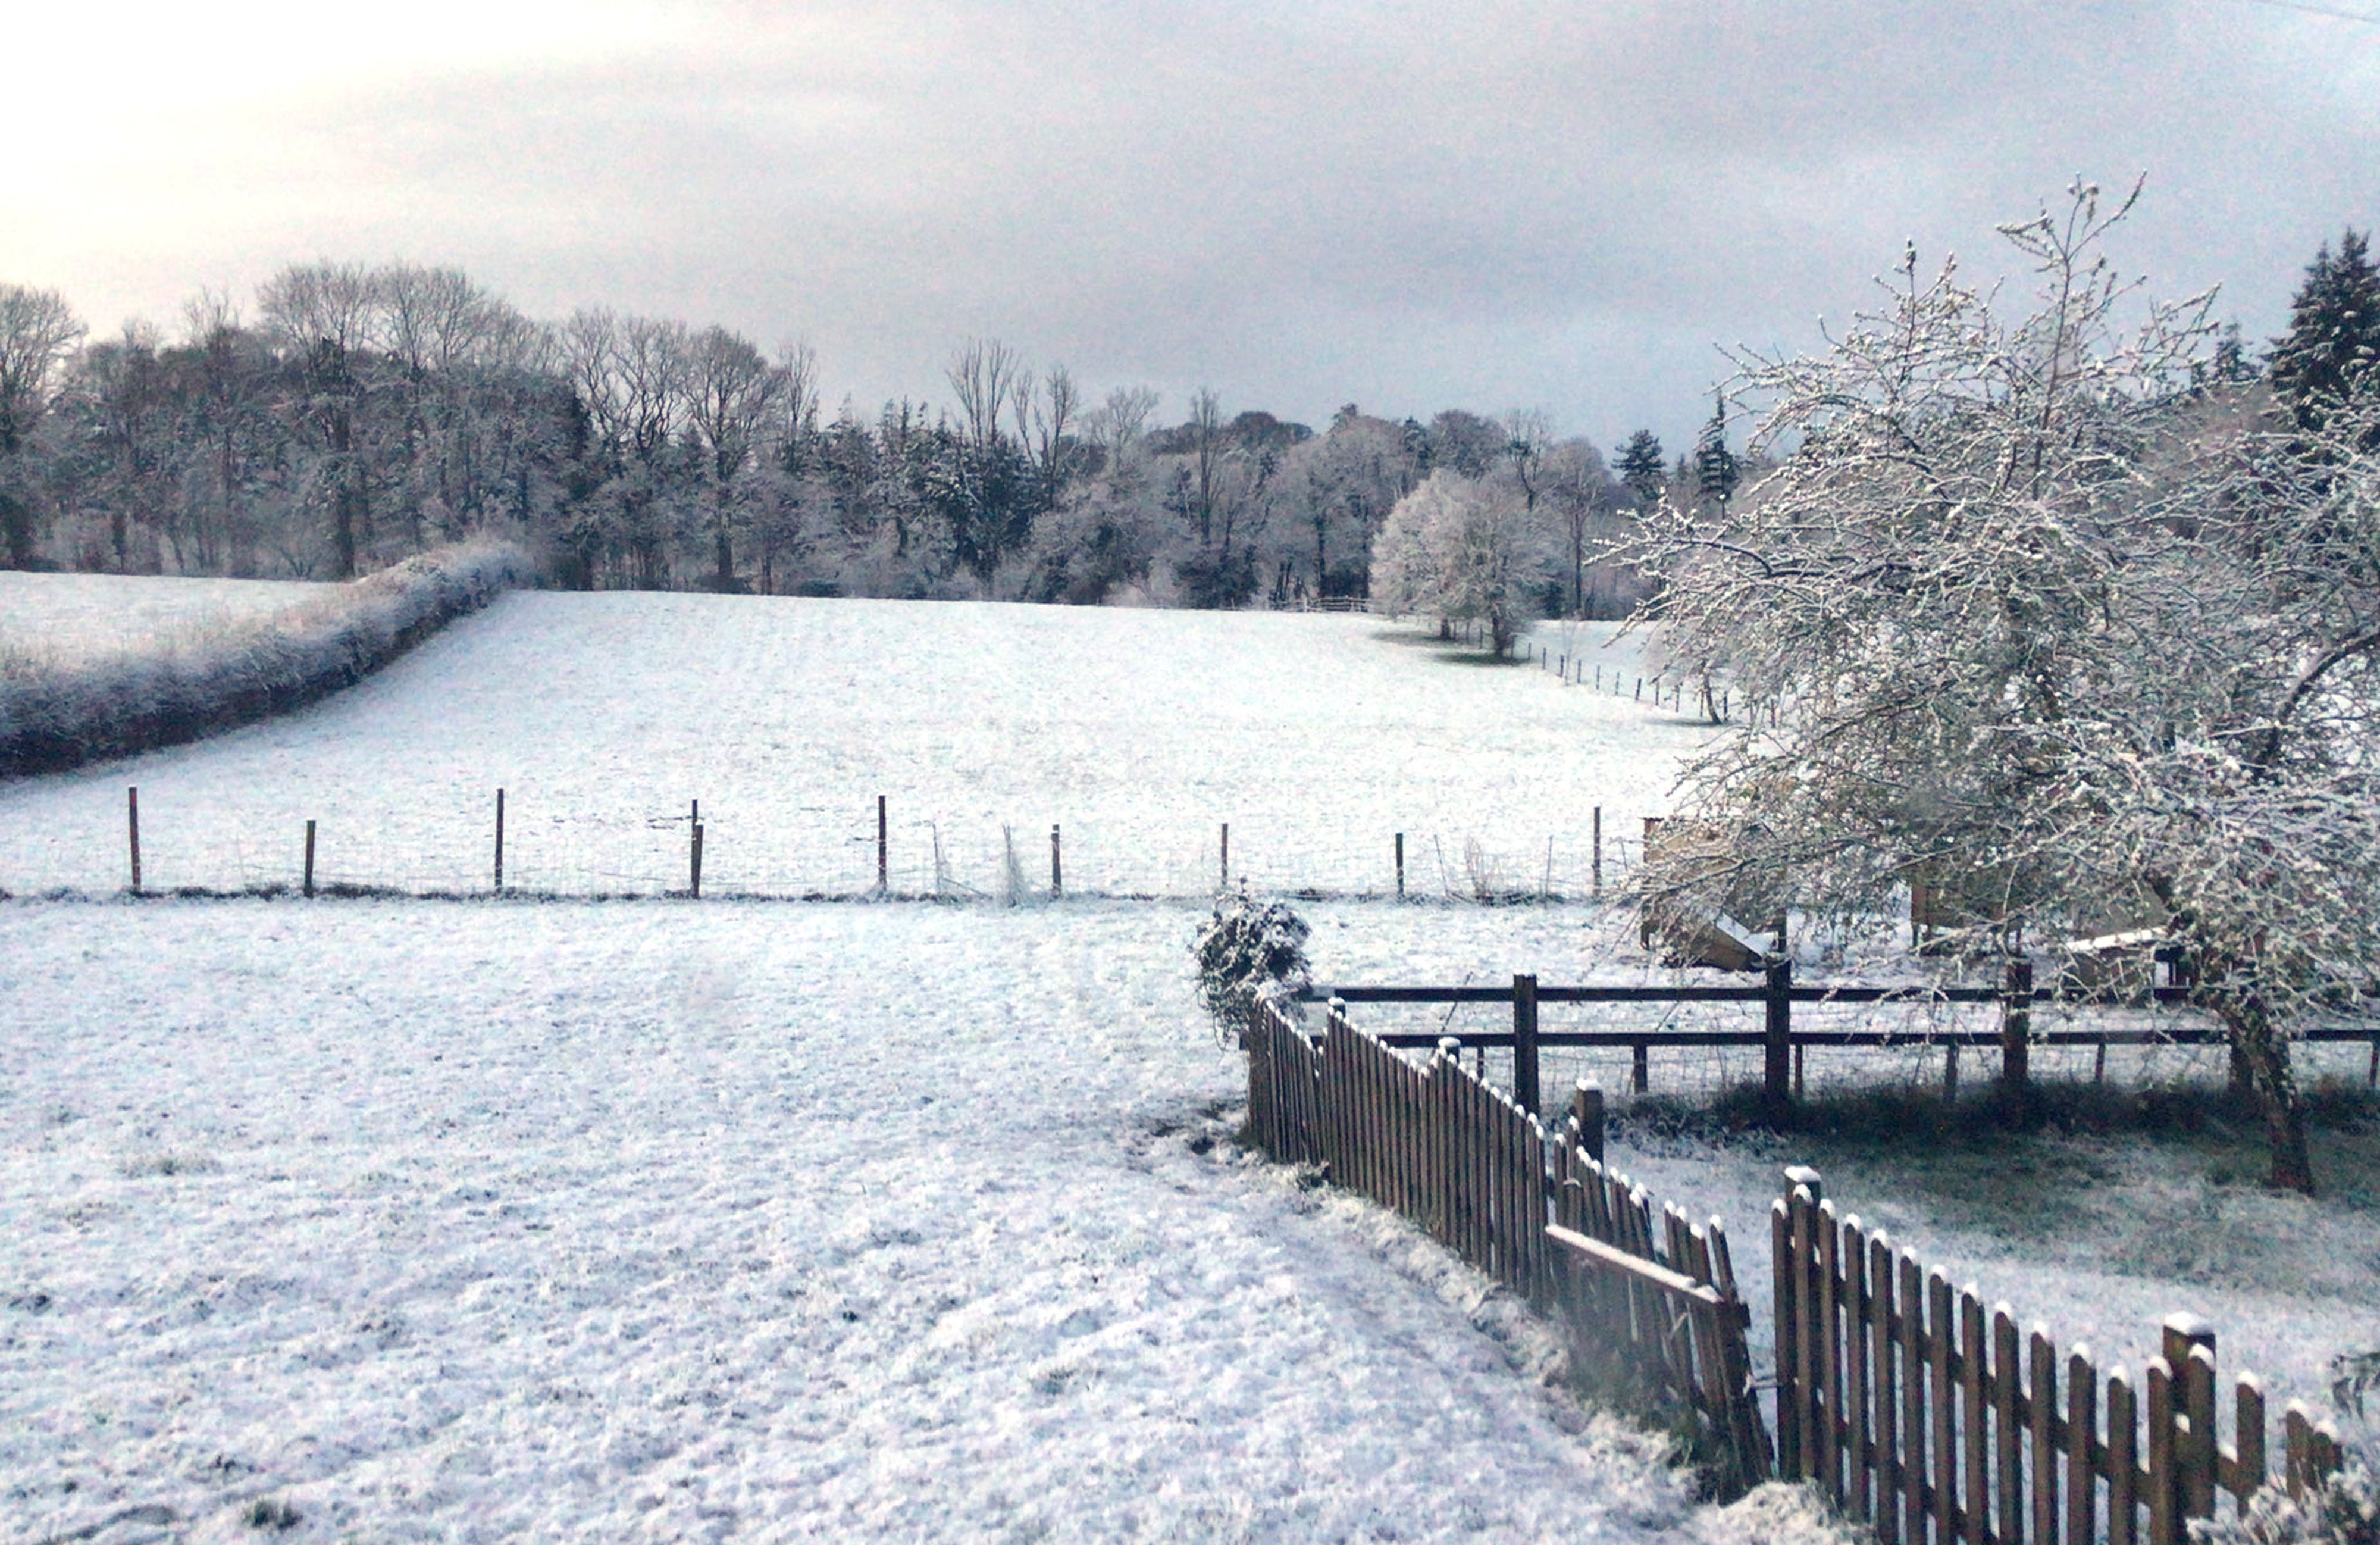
1716,470
1641,467
2329,352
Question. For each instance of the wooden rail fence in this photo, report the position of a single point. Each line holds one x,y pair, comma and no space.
1649,1300
1917,1410
1783,1047
1908,1402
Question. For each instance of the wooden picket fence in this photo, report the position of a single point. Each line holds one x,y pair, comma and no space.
1920,1412
1913,1406
1648,1304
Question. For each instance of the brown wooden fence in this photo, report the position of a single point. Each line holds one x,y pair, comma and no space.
1916,1409
1908,1402
1651,1301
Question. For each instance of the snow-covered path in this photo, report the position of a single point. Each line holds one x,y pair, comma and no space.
517,1221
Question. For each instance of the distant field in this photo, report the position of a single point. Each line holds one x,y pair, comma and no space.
605,717
61,617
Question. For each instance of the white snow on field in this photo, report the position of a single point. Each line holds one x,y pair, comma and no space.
606,718
612,1221
60,619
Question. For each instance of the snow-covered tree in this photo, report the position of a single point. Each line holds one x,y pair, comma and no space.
1461,546
2048,626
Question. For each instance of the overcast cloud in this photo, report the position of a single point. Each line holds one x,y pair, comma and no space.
1406,206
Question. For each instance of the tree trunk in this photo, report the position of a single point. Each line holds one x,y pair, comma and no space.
2260,1045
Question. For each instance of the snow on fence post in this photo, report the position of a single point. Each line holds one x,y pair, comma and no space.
1587,1112
309,860
132,826
1524,1043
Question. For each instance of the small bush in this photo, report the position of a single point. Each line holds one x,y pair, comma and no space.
1249,951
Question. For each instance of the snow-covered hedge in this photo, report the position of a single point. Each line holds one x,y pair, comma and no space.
56,715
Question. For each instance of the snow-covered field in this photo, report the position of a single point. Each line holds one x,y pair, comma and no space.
605,1221
60,619
606,718
599,1220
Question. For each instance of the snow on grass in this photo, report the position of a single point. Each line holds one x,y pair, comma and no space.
62,618
606,717
484,1222
61,714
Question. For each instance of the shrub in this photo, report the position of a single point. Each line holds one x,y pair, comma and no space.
1249,951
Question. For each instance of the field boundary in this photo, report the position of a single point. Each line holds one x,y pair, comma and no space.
53,717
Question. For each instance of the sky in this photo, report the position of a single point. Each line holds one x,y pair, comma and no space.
1568,206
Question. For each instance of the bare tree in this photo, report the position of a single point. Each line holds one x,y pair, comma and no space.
37,331
323,313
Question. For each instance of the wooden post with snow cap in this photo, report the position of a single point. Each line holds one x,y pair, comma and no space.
1586,1111
1524,1044
132,826
2188,1354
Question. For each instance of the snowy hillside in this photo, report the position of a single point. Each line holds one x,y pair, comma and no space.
606,717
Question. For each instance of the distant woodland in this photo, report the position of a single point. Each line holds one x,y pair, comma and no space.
363,414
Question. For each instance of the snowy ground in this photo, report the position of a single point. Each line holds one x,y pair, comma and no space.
610,1221
63,617
1140,734
466,1219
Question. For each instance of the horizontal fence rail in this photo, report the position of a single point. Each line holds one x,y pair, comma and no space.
1784,1045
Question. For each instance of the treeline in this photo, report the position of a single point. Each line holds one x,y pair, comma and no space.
365,414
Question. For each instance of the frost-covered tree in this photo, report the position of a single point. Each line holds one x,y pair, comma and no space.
2048,626
1642,470
1460,546
2333,344
37,329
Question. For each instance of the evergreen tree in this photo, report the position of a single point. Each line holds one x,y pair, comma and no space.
1641,467
2334,336
1716,472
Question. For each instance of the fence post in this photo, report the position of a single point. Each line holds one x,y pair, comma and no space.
132,824
1596,884
500,841
1401,875
309,860
1776,1045
1227,858
694,865
2189,1352
882,867
2016,1029
1057,867
1524,1043
1586,1110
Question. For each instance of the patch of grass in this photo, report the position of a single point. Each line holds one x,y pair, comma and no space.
142,1166
271,1513
2020,1167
